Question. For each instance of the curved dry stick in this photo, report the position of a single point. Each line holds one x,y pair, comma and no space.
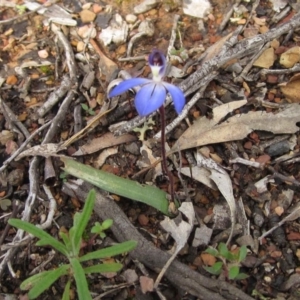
178,274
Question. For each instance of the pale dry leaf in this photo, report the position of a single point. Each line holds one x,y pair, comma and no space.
200,174
45,150
222,180
178,228
105,141
224,184
222,111
266,59
291,89
290,57
100,160
148,159
278,5
259,21
202,236
205,131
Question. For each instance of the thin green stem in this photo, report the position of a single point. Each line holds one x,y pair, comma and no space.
163,152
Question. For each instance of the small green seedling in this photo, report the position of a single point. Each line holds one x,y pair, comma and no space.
89,110
99,228
21,9
70,248
230,262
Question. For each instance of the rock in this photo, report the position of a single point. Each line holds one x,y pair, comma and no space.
133,148
87,16
117,31
279,148
145,6
196,8
131,18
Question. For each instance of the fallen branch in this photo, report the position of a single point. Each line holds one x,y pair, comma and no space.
178,274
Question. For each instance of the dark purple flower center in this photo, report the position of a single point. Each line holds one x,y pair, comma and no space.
157,60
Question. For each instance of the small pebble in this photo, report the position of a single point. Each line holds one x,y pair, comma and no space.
143,220
87,16
43,53
131,18
278,148
97,8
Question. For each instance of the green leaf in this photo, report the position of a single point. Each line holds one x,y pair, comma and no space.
103,268
241,276
38,284
66,240
80,279
81,221
66,294
39,233
233,272
84,107
212,251
242,253
131,189
216,269
110,251
107,224
97,228
91,112
223,250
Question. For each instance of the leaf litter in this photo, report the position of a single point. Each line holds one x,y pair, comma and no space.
244,124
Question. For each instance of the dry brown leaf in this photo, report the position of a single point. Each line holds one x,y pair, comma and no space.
289,58
259,21
208,259
205,131
266,60
105,141
291,89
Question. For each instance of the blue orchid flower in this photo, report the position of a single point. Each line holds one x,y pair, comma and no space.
153,91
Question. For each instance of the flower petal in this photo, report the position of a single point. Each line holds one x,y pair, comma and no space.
177,96
149,98
126,85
